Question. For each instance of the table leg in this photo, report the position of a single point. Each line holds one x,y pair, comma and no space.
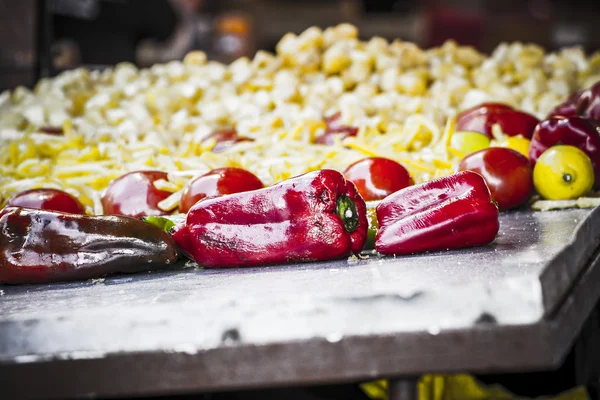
403,389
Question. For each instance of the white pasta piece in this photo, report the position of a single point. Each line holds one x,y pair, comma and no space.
547,205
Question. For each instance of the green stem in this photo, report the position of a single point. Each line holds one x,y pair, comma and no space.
373,224
346,209
166,222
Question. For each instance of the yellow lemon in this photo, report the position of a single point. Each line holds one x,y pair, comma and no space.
517,143
563,173
466,142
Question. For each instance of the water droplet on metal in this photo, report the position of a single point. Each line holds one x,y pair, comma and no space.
434,330
334,337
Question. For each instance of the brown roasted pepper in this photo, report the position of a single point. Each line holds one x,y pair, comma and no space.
38,246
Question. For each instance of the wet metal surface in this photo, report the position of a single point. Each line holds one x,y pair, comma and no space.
213,329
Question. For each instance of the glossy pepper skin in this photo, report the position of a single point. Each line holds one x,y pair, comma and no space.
38,246
315,216
446,213
580,132
584,103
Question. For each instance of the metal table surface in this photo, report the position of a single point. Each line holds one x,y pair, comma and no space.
515,305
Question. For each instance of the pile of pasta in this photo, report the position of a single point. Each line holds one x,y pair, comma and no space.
403,100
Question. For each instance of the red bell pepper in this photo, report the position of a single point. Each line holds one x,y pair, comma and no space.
38,246
580,132
484,116
584,103
446,213
315,216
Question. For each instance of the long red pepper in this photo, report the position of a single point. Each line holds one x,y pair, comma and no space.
38,246
446,213
315,216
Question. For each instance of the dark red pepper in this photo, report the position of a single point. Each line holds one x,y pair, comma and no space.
580,132
584,103
315,216
225,139
335,129
38,246
484,116
446,213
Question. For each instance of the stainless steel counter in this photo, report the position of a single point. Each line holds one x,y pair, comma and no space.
515,305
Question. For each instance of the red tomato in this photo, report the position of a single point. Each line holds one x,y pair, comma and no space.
225,139
216,183
134,195
508,173
377,177
334,129
483,117
47,199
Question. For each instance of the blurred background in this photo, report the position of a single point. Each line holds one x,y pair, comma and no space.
44,37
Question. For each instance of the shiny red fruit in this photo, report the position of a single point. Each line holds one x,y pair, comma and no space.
584,103
47,199
335,129
569,108
483,117
592,102
225,139
134,195
377,177
507,172
218,182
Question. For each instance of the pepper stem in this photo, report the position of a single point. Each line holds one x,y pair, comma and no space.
346,209
163,222
373,226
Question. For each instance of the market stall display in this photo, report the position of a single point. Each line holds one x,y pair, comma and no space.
367,155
